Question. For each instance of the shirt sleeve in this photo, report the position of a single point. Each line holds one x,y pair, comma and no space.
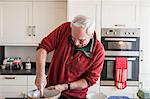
50,42
93,73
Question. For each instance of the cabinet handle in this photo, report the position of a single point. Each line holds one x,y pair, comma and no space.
29,30
140,85
9,77
141,55
120,25
33,30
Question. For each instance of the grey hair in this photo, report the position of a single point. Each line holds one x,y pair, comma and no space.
84,22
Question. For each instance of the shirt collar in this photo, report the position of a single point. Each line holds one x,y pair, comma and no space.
87,50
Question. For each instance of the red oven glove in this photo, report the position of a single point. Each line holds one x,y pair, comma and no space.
121,72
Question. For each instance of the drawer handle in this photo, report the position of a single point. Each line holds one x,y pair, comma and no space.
120,25
9,78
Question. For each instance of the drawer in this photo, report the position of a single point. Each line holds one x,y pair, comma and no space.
13,80
12,91
31,80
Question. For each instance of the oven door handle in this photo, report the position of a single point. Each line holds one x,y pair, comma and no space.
120,39
112,58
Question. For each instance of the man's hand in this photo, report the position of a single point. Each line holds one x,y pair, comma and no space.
41,82
59,87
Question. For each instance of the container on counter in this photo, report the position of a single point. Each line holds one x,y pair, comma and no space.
28,63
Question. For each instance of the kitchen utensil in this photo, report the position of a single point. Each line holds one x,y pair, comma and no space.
48,94
33,94
28,66
28,63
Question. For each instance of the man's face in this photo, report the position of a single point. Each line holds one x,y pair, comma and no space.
79,36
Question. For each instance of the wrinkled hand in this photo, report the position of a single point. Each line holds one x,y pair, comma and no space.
59,87
41,82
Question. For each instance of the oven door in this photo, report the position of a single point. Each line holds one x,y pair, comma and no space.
121,44
108,72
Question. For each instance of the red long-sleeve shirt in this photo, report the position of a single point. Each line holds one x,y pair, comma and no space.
66,67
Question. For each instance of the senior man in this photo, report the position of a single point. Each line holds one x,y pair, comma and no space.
77,59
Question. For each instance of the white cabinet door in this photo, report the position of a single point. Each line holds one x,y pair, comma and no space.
12,91
26,23
46,17
85,7
31,82
145,79
0,23
13,80
145,37
81,7
13,86
119,13
15,19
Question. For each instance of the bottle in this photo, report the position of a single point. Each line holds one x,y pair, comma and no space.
28,63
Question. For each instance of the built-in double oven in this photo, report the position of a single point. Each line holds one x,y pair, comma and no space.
121,42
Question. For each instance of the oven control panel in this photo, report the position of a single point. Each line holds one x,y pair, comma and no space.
120,32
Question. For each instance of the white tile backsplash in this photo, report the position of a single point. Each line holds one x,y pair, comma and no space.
23,52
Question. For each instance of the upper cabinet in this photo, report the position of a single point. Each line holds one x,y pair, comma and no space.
46,17
15,21
120,13
26,23
80,7
85,7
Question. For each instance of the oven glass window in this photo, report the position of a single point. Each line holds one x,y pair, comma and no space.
130,64
120,45
110,69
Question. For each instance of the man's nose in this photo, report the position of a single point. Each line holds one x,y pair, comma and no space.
77,43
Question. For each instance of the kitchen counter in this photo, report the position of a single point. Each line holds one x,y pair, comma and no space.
17,72
23,71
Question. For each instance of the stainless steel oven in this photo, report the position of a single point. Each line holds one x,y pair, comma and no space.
121,39
121,42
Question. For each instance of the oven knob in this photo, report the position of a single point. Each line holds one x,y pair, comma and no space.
115,33
133,33
107,33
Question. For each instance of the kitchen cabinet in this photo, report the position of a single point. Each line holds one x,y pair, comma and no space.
31,83
30,21
87,8
145,34
16,85
120,13
16,18
20,85
46,17
0,23
12,86
145,48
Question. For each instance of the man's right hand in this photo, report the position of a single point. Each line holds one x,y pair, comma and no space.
40,82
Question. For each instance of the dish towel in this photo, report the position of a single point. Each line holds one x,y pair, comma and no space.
121,72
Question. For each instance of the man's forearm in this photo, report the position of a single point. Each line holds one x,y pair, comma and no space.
80,84
40,61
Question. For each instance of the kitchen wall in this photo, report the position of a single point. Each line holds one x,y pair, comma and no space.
23,52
